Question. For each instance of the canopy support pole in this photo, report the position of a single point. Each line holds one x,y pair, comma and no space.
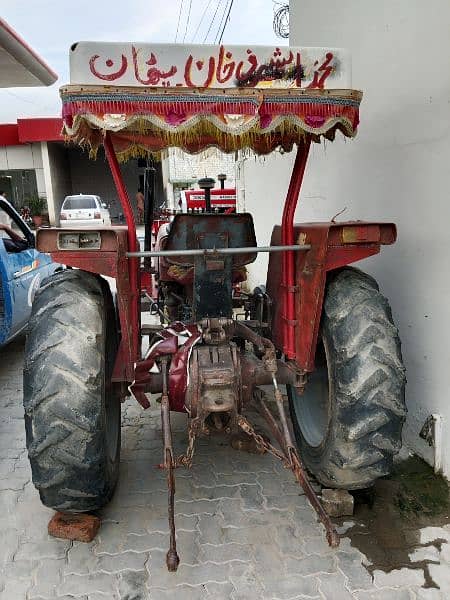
287,239
134,315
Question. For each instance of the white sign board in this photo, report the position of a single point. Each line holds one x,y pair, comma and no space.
189,66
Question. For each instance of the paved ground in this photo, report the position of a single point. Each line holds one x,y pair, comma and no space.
244,530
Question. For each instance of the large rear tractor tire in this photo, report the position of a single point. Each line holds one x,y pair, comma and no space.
349,420
72,411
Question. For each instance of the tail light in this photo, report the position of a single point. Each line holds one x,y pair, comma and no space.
63,217
97,215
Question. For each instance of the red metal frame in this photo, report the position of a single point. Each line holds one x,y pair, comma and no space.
287,238
134,320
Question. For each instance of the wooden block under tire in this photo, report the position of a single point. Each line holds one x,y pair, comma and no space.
337,503
80,527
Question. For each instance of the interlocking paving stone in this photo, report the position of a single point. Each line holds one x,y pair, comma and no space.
252,499
9,545
220,591
132,585
126,561
183,592
79,585
310,565
226,552
211,529
146,542
51,548
400,577
46,578
386,594
441,575
290,586
334,586
19,569
80,559
15,589
428,594
245,530
246,585
288,539
350,564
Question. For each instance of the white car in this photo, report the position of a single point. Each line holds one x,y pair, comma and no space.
84,210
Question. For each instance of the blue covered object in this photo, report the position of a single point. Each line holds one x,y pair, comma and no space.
22,270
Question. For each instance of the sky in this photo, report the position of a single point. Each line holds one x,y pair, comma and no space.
51,26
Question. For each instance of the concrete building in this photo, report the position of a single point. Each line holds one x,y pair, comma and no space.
34,159
21,165
395,170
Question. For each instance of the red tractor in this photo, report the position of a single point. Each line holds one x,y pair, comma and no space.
222,200
318,326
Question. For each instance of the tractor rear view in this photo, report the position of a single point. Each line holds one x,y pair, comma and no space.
318,326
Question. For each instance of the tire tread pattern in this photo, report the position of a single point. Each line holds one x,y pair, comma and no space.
368,385
63,388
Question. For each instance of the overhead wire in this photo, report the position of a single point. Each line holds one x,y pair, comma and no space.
224,12
212,21
187,20
179,17
226,21
201,20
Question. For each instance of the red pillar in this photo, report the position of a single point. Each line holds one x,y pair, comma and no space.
287,238
133,246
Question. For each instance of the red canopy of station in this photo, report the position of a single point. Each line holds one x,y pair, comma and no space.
26,131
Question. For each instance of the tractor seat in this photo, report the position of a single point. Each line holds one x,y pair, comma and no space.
192,231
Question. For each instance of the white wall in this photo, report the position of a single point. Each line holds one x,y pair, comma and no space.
397,169
262,184
26,156
209,163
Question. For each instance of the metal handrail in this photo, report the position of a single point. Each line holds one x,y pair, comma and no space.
216,251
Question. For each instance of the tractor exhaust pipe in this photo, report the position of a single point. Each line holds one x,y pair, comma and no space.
206,184
221,177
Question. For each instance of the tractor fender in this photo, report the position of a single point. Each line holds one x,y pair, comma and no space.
333,246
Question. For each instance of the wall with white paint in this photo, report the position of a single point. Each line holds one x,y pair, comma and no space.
262,184
397,170
209,163
181,170
25,156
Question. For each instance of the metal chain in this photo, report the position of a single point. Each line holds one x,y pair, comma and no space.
260,441
185,460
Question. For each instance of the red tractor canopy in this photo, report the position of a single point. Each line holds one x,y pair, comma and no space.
142,121
151,97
